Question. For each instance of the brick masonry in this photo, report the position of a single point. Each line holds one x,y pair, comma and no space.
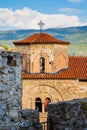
56,59
55,56
56,90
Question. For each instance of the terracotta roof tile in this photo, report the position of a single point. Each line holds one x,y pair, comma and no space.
77,70
40,38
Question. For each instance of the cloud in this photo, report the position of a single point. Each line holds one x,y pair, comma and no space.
28,19
75,1
69,11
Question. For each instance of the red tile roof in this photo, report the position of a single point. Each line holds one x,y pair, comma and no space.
40,38
77,70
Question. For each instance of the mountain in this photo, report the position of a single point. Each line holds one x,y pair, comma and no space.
77,36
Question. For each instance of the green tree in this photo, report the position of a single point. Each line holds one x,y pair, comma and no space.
6,47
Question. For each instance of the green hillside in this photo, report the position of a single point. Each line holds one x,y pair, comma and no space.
77,36
78,49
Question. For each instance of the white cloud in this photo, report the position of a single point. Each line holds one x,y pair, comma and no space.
28,19
75,1
69,11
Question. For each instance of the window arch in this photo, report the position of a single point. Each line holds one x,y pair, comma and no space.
42,65
47,101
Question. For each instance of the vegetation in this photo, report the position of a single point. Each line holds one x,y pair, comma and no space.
84,106
78,49
77,36
8,44
6,48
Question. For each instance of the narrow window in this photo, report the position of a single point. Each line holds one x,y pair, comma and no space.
42,64
38,104
47,101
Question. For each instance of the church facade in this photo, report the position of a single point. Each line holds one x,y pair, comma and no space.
49,74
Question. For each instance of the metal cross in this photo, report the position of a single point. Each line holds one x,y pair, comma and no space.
41,24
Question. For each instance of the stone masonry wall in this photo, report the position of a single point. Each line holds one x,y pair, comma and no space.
68,115
10,88
12,117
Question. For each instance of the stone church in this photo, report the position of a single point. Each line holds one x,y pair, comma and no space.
49,73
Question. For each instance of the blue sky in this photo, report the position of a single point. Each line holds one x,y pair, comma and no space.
25,14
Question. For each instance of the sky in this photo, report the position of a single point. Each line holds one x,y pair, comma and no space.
26,14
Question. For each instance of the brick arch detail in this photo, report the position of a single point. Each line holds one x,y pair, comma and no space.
39,55
51,90
43,97
36,63
60,62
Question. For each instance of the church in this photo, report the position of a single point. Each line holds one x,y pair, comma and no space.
49,73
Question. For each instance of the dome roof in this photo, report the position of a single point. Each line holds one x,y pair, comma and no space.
40,38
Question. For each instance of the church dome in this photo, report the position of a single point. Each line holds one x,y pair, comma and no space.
40,38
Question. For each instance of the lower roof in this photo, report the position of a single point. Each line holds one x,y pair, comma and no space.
77,69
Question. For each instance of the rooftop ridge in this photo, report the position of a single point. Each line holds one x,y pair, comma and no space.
40,38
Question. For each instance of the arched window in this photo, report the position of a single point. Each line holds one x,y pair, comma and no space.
38,104
42,64
47,101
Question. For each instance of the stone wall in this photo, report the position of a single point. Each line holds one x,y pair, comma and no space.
12,117
10,88
68,115
29,120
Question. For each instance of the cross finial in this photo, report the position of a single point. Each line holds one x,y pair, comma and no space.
41,24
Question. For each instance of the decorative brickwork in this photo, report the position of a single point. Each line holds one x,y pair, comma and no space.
54,89
43,45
